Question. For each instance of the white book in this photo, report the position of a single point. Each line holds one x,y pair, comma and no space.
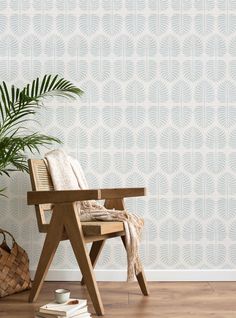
68,309
43,315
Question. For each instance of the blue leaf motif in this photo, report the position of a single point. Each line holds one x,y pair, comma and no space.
100,162
135,92
215,254
226,208
226,23
232,161
227,92
169,162
232,253
203,5
92,92
215,162
192,46
43,5
169,231
146,162
204,23
169,46
170,138
215,138
232,233
158,208
192,70
193,254
100,46
111,4
112,23
158,23
158,92
89,116
146,70
20,24
135,23
204,92
100,138
135,5
66,23
181,116
42,24
100,70
123,46
146,138
3,22
204,184
111,180
169,70
77,138
123,162
55,67
181,92
215,46
181,208
31,46
181,23
146,46
215,70
112,116
9,71
78,70
204,116
9,46
77,46
112,92
181,184
135,115
158,116
150,233
226,116
89,23
226,4
158,184
123,70
215,230
181,5
227,184
135,179
30,70
160,5
232,69
169,254
192,230
192,138
204,208
192,162
3,4
66,117
232,139
66,5
54,46
88,4
123,139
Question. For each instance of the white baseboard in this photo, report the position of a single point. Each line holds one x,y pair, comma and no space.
152,275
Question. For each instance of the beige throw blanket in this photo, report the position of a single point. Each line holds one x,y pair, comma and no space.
67,174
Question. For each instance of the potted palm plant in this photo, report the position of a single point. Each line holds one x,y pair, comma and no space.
17,106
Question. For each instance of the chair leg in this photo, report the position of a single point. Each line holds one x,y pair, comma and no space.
51,242
75,234
140,277
95,251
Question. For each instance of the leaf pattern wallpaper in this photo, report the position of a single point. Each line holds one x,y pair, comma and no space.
159,111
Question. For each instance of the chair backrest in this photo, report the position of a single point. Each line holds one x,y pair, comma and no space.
40,181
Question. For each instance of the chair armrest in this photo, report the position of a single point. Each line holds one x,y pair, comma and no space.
64,196
122,193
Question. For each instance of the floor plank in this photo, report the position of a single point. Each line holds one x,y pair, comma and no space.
166,300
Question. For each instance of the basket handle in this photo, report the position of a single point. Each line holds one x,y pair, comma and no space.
4,232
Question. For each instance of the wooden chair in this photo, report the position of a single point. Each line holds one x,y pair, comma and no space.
65,225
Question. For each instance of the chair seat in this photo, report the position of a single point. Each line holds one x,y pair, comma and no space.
101,227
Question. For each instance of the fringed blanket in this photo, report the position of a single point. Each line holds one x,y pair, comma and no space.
67,174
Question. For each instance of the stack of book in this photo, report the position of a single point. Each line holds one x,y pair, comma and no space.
74,308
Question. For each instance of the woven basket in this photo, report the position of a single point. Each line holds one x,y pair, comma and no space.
14,267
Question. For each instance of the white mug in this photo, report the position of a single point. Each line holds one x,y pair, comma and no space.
62,295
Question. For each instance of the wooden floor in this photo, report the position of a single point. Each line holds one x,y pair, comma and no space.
167,299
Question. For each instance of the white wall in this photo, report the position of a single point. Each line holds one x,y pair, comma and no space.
158,111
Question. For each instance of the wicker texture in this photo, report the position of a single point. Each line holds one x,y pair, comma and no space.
14,267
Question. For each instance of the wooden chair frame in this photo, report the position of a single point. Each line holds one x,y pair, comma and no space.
66,225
